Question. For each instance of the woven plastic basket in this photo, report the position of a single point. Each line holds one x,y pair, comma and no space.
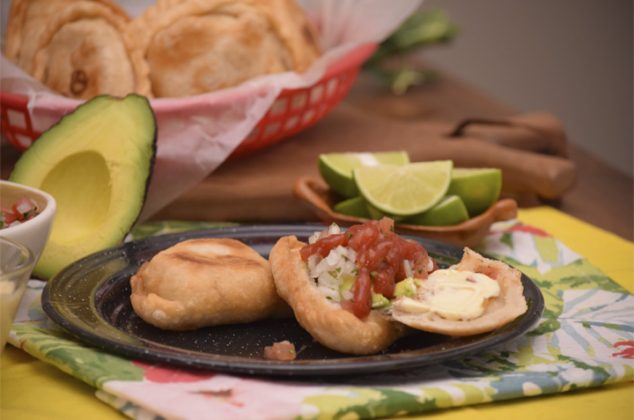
292,111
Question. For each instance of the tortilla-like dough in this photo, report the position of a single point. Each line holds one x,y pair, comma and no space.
205,282
79,48
196,46
327,322
498,311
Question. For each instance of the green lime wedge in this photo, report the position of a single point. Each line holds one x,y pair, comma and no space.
355,206
374,213
377,214
449,211
404,190
336,168
479,188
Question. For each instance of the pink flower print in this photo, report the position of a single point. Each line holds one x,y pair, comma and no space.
529,229
627,352
166,375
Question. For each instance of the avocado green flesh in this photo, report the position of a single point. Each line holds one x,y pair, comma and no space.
379,301
405,287
82,206
96,162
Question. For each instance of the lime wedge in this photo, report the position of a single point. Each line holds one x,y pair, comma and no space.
449,211
336,168
377,214
479,188
355,206
374,213
404,190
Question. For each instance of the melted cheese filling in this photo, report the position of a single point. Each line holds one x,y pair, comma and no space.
452,294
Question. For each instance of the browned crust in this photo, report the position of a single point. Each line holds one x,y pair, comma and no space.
29,19
327,322
286,19
499,311
204,282
33,24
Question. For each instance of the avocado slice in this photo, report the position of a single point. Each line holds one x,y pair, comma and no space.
405,287
379,301
97,163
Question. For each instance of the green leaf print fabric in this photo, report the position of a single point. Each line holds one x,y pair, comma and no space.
585,338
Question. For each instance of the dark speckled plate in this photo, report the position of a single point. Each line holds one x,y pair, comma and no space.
91,300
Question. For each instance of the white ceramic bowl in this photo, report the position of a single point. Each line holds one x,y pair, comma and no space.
32,233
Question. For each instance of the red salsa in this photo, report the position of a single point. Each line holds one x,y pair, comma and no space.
282,350
382,260
21,211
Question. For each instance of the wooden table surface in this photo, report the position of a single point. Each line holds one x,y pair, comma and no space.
601,195
251,188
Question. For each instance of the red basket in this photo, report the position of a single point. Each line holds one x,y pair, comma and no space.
292,111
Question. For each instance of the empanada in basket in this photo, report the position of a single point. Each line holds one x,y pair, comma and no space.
197,46
78,48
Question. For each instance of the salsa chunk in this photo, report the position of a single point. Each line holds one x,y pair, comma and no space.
383,258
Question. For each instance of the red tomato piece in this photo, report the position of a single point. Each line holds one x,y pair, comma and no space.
362,294
380,260
384,281
323,246
282,350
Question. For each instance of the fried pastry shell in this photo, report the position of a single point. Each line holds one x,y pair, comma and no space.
205,282
327,322
498,312
79,48
192,47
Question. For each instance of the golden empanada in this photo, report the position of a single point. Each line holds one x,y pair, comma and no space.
326,321
197,46
498,311
205,282
79,48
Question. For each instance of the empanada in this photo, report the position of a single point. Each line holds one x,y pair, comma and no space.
205,282
498,311
326,321
197,46
79,48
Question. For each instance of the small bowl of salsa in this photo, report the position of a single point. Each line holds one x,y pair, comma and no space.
26,215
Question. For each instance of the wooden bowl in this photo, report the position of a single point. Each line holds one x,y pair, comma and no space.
470,233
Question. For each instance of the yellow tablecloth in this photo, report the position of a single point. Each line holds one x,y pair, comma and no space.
31,389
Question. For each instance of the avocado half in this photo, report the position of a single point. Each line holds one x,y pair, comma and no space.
97,163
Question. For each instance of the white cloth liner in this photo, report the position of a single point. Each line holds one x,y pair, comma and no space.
197,134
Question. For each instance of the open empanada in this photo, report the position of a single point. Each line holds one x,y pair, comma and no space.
326,321
498,311
195,46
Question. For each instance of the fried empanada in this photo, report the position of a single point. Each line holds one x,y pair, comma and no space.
197,46
498,311
326,321
205,282
79,48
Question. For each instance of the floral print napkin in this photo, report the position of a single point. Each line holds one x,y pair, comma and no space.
585,338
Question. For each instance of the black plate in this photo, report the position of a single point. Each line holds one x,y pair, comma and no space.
91,300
